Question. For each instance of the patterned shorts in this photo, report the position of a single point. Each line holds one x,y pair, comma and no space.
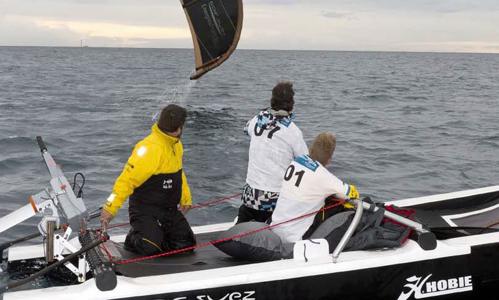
258,199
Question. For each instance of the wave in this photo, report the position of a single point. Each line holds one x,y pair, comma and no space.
211,118
14,145
11,166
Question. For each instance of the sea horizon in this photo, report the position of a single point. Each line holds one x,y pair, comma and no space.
257,49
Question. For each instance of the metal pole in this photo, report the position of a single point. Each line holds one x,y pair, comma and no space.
351,229
402,220
49,246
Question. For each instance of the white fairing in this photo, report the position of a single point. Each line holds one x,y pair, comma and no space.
269,157
312,250
443,197
16,217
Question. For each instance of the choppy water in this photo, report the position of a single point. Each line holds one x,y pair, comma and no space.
407,124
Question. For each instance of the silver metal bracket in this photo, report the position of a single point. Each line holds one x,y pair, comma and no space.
63,246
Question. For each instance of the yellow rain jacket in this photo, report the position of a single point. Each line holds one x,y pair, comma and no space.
152,176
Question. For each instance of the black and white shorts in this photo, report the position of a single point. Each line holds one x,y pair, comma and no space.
258,199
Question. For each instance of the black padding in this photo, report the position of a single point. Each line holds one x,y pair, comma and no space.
427,240
263,245
41,143
105,277
331,224
333,228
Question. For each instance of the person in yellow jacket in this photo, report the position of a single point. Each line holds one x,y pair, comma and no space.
157,187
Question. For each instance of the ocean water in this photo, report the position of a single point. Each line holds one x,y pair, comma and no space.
407,124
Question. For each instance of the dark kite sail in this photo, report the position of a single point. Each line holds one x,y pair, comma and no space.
216,27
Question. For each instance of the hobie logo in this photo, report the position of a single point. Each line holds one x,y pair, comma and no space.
422,288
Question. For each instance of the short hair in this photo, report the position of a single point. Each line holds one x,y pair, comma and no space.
172,117
322,147
283,96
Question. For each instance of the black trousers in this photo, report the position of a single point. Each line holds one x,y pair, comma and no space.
247,214
155,231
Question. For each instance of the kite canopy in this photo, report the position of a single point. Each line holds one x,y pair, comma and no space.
216,27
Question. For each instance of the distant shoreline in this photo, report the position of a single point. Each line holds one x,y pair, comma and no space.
249,49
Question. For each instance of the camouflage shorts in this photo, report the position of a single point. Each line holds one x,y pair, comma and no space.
258,199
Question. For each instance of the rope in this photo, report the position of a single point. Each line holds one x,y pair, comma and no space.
216,201
214,242
103,247
492,225
207,203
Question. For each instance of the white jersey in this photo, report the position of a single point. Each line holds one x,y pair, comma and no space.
271,150
305,187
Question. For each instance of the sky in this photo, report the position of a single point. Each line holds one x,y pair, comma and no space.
357,25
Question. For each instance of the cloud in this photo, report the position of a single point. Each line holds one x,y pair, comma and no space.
425,25
113,30
19,32
336,15
150,13
49,32
419,6
272,2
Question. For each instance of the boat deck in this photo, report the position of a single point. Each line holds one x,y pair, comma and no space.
204,258
473,211
442,216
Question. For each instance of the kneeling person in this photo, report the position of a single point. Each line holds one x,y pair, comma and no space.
154,181
307,183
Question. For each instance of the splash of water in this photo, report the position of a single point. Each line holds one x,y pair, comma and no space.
176,95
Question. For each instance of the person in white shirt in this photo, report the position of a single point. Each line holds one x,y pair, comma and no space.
275,142
307,183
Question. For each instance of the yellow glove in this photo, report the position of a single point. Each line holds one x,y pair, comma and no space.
353,193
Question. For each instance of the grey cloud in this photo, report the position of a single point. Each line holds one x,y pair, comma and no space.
23,34
336,15
138,43
426,6
90,11
272,2
36,36
423,22
449,10
104,2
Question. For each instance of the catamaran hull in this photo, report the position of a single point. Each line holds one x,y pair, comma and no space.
462,277
464,266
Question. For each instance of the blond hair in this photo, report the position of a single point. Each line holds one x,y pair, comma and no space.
322,148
